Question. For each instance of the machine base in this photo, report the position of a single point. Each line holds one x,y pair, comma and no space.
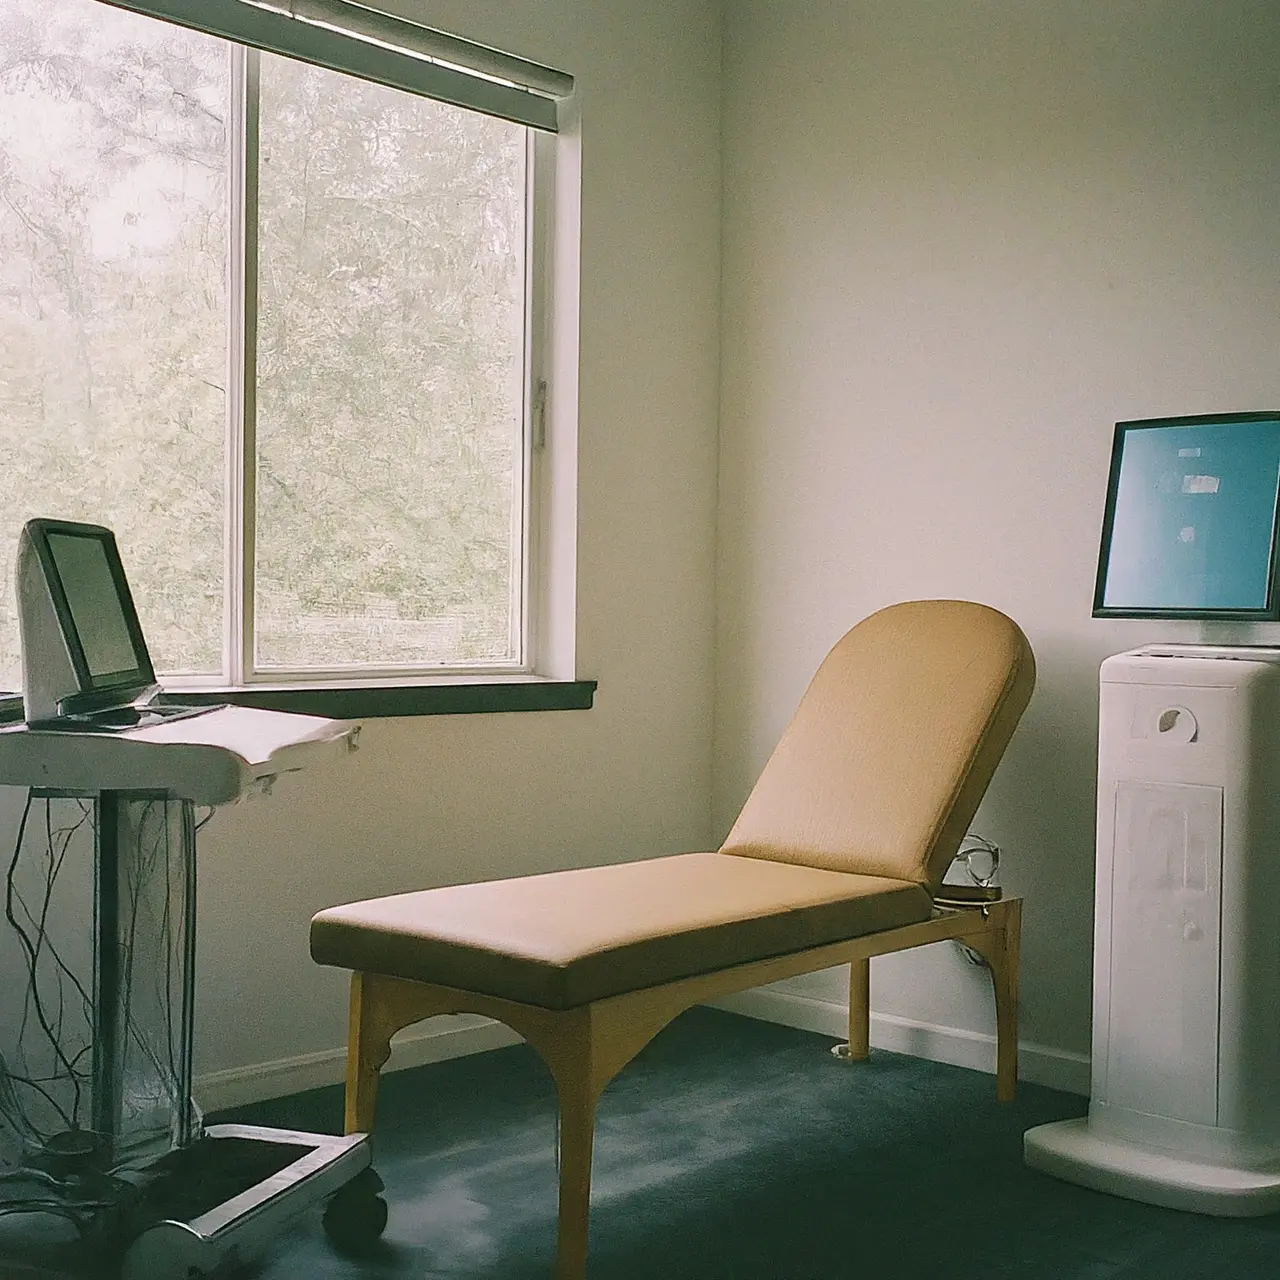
180,1247
1071,1151
198,1210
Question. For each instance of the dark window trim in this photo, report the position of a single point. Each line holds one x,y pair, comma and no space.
354,702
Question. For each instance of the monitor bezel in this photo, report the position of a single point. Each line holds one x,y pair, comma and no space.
1269,612
100,691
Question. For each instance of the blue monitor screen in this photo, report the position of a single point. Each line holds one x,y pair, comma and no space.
1190,525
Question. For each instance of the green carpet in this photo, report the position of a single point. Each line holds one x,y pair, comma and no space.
733,1149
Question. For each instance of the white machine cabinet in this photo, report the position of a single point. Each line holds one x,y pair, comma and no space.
1185,1094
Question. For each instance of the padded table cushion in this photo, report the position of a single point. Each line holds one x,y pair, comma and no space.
891,749
569,937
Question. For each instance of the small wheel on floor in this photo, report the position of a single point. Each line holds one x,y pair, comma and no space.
356,1215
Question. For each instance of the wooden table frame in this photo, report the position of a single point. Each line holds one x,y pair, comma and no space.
585,1047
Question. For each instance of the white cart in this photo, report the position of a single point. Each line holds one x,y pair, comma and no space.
140,1128
97,1121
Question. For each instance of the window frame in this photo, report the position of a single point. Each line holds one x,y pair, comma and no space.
403,689
239,666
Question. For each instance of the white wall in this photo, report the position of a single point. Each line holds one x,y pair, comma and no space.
961,240
440,799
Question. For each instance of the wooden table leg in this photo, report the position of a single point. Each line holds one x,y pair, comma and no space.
859,1048
577,1136
999,946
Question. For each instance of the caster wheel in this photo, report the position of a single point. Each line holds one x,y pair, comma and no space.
356,1216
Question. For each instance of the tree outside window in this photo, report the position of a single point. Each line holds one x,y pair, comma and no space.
387,414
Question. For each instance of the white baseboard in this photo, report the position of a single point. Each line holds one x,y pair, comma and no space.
1037,1064
453,1036
462,1034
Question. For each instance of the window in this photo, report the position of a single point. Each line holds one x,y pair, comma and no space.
279,327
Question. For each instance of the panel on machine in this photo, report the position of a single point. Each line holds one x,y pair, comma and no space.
1162,1042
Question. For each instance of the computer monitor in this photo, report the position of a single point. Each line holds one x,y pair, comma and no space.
83,647
1190,528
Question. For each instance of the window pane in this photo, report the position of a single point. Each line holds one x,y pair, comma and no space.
113,161
390,376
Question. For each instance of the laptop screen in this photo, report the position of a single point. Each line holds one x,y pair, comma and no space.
95,610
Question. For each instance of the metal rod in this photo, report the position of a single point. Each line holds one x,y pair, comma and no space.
189,1129
107,1039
